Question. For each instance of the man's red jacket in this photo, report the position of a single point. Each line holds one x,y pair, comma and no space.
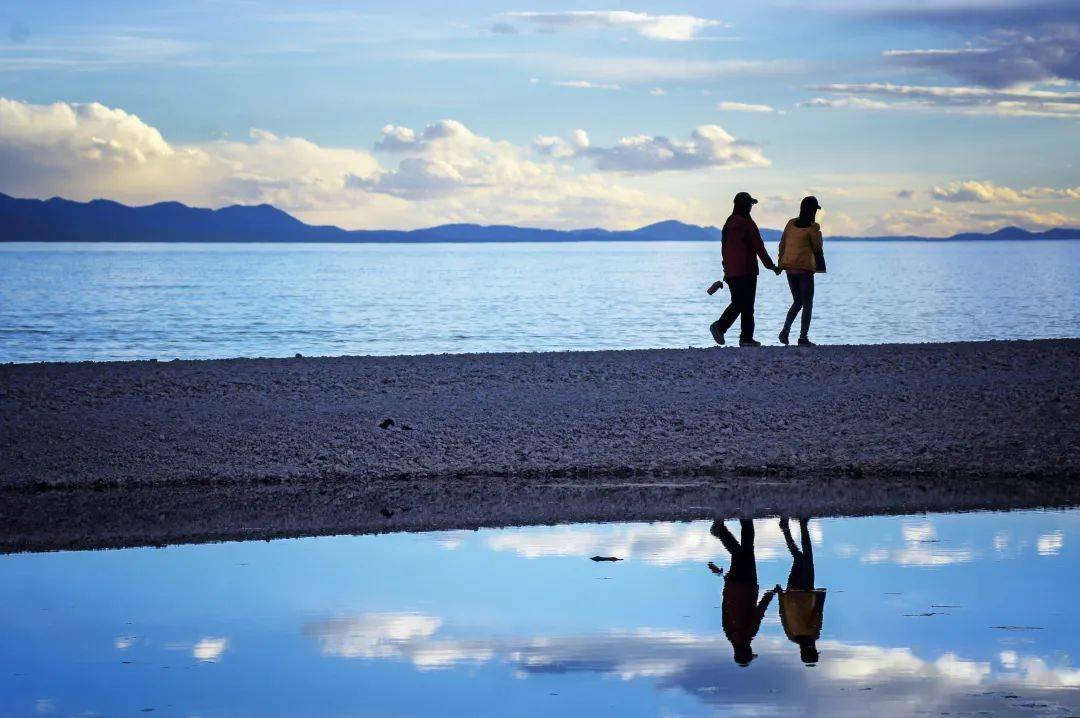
741,244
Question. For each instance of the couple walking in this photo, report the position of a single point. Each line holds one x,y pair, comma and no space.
800,255
802,604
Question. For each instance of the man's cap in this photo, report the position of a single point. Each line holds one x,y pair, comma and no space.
810,201
744,198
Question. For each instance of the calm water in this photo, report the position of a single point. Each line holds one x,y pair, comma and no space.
925,615
73,302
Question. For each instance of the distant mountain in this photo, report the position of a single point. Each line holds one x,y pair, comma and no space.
61,220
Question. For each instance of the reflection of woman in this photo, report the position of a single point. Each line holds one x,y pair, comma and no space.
742,613
800,255
802,606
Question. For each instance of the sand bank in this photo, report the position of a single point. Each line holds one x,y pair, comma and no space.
480,439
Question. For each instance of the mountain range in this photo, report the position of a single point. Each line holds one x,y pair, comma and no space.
61,220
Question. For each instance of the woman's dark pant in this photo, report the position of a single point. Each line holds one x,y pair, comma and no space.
802,297
743,294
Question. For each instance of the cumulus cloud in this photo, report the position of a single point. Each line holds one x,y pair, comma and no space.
396,636
655,27
742,107
988,192
89,150
971,100
442,173
905,194
663,543
696,663
937,222
709,146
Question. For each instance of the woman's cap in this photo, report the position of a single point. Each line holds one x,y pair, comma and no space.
744,198
810,201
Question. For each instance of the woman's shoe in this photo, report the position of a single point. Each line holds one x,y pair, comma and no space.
749,343
805,342
784,337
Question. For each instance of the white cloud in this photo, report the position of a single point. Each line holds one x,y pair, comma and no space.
657,92
1050,544
918,531
663,543
743,107
447,173
655,27
372,635
210,650
84,151
937,222
122,643
966,100
399,636
694,662
709,146
988,192
920,549
585,85
621,69
846,103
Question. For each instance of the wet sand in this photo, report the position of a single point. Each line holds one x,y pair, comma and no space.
112,454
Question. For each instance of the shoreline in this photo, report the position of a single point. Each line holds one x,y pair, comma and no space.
156,516
103,454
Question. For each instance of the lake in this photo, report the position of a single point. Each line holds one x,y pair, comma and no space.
933,614
69,302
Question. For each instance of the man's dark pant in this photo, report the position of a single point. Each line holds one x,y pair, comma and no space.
743,294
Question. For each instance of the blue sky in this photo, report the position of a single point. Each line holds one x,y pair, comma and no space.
902,116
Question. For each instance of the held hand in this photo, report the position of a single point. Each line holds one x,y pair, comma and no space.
777,270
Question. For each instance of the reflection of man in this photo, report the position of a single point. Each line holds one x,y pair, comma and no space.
742,613
802,606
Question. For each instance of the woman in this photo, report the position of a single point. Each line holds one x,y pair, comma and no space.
801,256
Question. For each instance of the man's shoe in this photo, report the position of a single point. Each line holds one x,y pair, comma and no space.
749,343
784,338
805,342
718,335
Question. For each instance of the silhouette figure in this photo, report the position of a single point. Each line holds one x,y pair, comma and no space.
741,246
741,610
800,255
802,606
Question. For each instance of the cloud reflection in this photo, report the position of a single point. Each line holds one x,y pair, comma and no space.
701,664
662,544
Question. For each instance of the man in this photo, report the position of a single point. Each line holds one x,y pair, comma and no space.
741,246
741,612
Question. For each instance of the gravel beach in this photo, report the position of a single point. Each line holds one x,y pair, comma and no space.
478,439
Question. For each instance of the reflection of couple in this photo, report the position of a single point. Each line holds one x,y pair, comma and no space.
801,604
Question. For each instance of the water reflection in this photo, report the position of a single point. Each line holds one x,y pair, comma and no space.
742,610
802,605
520,622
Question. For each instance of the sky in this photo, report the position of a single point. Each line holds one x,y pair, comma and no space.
914,116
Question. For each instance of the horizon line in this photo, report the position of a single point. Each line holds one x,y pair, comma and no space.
987,235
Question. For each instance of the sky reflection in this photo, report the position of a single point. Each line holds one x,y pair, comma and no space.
927,614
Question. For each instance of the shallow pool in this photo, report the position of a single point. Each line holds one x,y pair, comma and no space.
911,615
